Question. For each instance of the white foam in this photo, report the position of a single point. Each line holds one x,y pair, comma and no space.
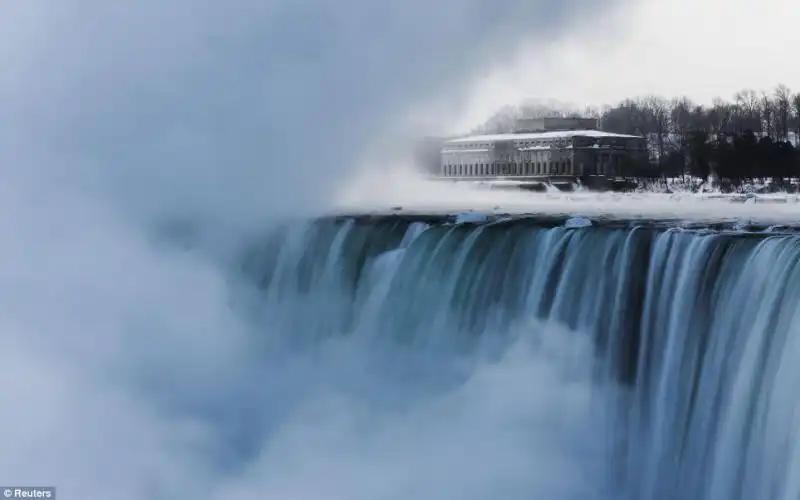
576,222
471,217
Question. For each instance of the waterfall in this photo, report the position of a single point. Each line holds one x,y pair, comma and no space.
687,374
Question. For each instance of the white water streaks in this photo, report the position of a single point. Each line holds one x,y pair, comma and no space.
699,326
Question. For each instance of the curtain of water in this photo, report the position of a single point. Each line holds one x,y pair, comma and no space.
698,332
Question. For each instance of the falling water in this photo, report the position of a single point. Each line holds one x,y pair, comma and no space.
601,363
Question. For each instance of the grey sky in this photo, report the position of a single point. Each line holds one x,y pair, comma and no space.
703,50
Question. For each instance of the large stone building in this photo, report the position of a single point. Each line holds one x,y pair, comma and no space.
546,148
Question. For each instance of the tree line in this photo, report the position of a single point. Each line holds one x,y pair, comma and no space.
753,136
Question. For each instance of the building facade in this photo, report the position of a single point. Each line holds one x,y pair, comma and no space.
568,152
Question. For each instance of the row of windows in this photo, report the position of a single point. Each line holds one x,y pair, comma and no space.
577,141
469,145
473,158
540,143
481,158
536,156
519,144
525,168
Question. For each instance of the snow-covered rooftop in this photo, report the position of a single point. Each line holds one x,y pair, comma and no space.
472,150
556,134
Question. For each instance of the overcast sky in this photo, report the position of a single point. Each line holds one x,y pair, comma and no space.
699,48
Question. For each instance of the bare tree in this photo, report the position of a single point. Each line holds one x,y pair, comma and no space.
783,111
796,105
592,112
750,111
680,121
721,118
767,114
699,119
658,110
626,118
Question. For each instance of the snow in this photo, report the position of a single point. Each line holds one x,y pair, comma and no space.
556,134
471,218
576,222
473,201
472,150
542,148
378,190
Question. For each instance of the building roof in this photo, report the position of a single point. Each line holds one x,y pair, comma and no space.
556,134
471,150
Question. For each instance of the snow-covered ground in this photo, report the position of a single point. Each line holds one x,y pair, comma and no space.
412,195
